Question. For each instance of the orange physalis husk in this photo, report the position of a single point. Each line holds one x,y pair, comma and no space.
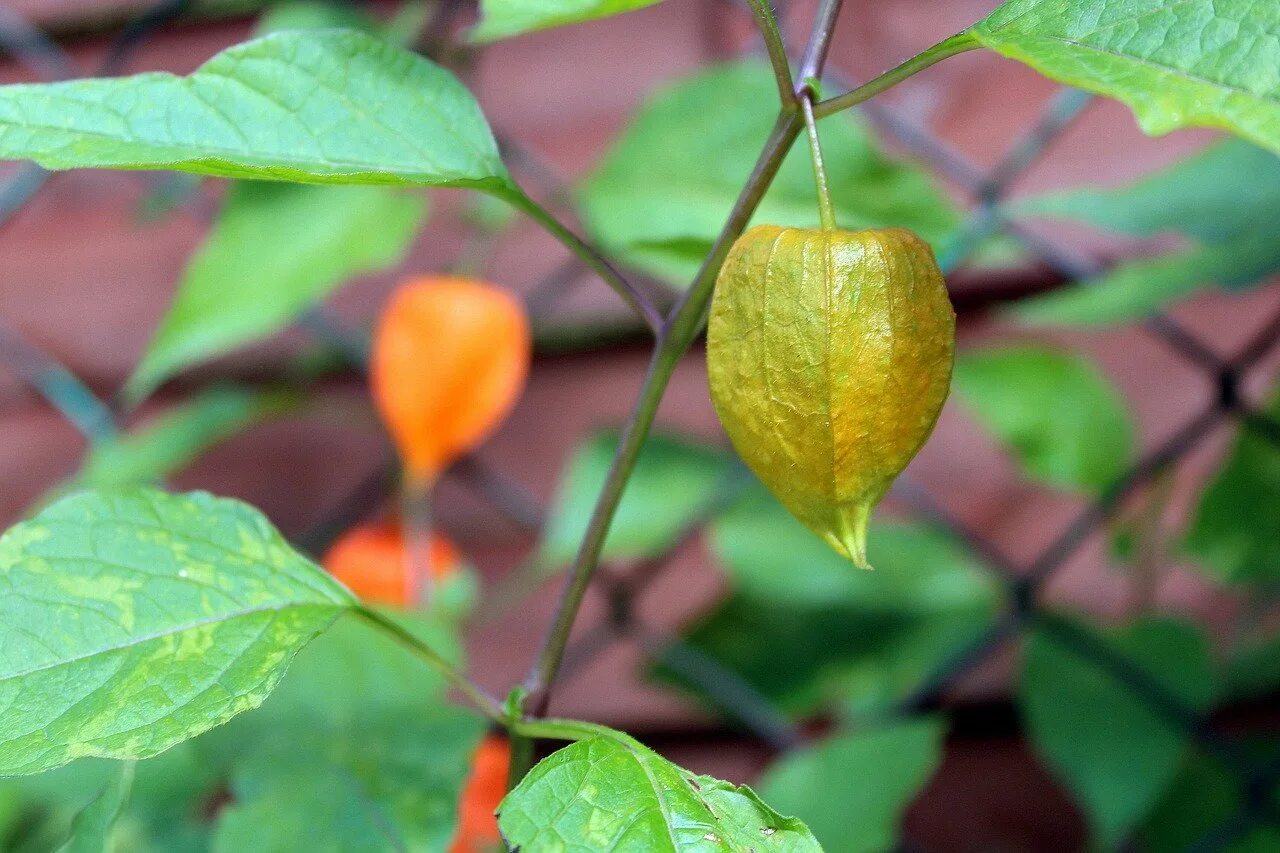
370,560
481,795
450,357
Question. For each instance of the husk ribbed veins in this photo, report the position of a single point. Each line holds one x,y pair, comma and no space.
829,356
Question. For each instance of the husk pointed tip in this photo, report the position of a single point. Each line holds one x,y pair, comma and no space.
853,535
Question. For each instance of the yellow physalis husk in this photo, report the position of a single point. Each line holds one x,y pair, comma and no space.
829,356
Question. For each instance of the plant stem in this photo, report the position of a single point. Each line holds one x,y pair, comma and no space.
676,336
415,522
815,53
777,50
485,703
589,254
944,49
826,213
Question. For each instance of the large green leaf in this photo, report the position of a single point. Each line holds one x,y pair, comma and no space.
327,106
390,784
806,632
1227,198
174,439
275,251
503,18
1235,528
611,793
1213,63
1098,730
671,481
853,788
1059,416
663,192
131,621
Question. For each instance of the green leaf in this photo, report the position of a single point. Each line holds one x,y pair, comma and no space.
503,18
91,830
1253,672
611,793
314,15
1216,194
663,192
1059,416
275,251
175,438
1212,63
1235,528
1204,799
1227,197
345,677
1101,736
672,480
1135,289
852,789
330,107
391,783
806,631
132,621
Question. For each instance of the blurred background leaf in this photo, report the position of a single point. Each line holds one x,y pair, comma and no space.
175,438
1235,527
1062,420
275,251
1226,198
1108,742
662,192
504,18
1202,805
853,788
673,479
808,632
390,784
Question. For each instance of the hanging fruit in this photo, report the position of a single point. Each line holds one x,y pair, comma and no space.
450,357
371,561
483,792
829,357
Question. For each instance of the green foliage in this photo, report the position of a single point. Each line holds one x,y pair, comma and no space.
503,18
131,621
853,788
1213,63
275,251
1203,799
672,481
391,783
350,685
1253,672
1058,415
612,793
806,631
663,191
1108,743
1226,198
314,15
174,439
291,106
92,828
1235,528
